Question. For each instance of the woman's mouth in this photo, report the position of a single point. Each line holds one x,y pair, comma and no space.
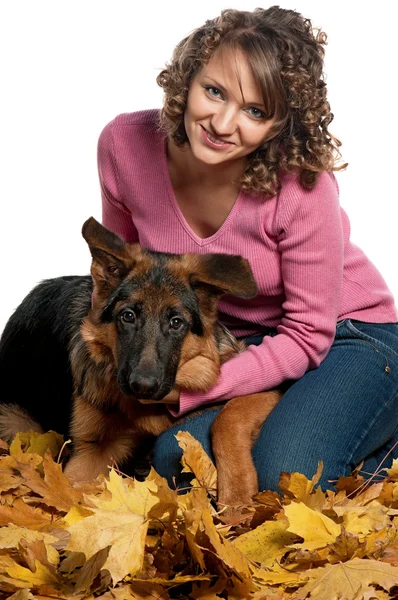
214,141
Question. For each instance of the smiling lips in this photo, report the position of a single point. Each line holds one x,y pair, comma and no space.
214,142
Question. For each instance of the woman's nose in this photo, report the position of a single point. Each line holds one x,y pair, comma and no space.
224,120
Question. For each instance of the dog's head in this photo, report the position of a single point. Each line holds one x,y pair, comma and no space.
153,314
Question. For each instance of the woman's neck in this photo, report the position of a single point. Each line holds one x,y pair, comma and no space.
185,169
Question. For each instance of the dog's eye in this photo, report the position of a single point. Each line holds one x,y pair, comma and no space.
176,323
128,316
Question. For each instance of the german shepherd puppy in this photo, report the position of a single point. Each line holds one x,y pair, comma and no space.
81,355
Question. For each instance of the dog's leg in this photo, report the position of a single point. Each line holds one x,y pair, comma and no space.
234,432
99,441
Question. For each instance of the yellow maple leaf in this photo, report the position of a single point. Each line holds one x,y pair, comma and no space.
317,530
296,485
33,442
120,522
76,514
393,472
347,580
196,461
362,520
267,543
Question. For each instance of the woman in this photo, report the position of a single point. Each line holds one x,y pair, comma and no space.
240,160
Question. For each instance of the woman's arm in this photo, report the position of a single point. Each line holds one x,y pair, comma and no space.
115,215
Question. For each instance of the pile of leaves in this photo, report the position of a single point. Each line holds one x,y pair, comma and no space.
117,538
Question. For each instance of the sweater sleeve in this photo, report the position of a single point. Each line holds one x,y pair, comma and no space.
115,215
311,247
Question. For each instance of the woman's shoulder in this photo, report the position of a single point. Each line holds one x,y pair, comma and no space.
135,125
292,186
295,202
148,118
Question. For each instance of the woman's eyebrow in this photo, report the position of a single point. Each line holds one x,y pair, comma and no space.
216,84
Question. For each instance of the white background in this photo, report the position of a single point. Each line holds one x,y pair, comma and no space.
69,67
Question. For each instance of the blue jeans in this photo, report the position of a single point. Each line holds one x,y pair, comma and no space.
343,412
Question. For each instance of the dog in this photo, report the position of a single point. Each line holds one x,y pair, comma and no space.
83,354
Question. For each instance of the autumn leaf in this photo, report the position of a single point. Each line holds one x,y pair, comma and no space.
345,547
23,515
362,520
21,577
22,595
120,522
11,536
393,471
33,442
55,489
347,580
90,570
317,530
196,461
226,551
9,480
74,542
267,543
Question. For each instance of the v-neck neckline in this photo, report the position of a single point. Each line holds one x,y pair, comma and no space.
173,200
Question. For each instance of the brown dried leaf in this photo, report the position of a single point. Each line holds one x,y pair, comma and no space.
196,461
25,516
9,480
85,577
345,547
55,489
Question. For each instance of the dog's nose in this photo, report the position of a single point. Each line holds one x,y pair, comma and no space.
144,386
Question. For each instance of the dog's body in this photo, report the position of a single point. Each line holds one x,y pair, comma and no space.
81,350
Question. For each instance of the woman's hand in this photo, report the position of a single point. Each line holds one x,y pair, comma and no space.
172,397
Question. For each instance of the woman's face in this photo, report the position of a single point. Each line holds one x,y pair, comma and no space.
225,116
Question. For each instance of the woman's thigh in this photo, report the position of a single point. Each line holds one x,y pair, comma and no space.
339,413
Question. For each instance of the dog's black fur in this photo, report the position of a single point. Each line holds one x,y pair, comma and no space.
35,371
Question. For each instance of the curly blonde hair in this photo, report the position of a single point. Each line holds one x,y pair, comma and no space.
286,56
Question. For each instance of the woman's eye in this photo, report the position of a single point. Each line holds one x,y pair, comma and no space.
176,323
128,316
213,91
256,113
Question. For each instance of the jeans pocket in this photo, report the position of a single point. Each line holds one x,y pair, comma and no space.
372,334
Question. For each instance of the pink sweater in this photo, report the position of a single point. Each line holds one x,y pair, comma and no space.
308,272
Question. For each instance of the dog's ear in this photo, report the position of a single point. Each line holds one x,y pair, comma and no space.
112,257
224,274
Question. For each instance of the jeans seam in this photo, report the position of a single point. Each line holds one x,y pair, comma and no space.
368,338
382,407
